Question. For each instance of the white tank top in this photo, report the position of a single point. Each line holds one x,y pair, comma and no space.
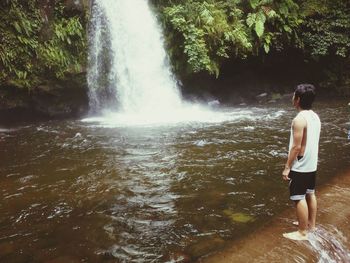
308,163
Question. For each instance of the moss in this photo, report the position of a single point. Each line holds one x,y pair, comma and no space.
239,217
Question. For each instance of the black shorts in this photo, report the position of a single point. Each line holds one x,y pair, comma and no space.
301,184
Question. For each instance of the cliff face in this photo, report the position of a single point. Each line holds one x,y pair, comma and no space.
50,100
45,75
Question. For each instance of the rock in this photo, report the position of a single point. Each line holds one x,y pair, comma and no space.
286,97
214,103
76,5
6,248
262,98
50,100
205,246
262,95
178,257
239,217
64,259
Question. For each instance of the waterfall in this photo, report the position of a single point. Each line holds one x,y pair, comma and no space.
128,68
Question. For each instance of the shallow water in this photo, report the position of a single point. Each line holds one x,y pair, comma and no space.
84,191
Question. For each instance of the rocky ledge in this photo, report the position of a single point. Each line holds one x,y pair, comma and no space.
50,100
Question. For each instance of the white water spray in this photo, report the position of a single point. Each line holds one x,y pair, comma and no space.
129,78
128,70
330,245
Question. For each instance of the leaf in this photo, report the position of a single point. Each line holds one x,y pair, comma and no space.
271,13
287,28
259,24
259,28
251,19
18,28
254,3
261,17
266,48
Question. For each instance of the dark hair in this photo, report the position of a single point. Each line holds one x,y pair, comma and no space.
306,93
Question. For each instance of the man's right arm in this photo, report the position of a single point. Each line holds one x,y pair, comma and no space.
298,126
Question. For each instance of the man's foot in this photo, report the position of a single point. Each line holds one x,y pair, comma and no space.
295,236
311,228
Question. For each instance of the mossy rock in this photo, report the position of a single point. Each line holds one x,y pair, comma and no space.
205,246
239,217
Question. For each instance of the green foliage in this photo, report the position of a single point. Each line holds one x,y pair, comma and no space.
32,47
326,38
327,29
208,32
200,35
64,52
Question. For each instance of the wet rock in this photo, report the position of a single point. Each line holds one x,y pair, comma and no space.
49,100
178,257
239,217
6,249
286,97
262,95
215,198
214,103
205,246
64,259
77,6
262,98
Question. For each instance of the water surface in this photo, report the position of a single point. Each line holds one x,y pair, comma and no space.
79,191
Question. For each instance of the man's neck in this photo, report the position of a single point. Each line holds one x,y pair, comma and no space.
300,109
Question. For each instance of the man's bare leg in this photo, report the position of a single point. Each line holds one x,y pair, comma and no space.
302,215
312,209
311,201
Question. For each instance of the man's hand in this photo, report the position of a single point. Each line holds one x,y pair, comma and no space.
285,173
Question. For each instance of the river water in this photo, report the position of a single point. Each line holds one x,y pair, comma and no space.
83,191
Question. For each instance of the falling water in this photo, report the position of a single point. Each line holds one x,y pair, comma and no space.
128,70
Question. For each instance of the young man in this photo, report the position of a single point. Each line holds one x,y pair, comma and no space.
300,168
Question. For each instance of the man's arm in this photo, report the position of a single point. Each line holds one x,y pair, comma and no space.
298,126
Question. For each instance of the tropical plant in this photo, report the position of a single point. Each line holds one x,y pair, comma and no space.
33,47
207,32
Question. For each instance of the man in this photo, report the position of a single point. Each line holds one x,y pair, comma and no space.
300,168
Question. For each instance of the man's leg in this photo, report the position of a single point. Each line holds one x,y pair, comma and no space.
302,215
312,209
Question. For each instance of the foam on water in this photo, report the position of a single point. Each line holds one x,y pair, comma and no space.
190,114
330,245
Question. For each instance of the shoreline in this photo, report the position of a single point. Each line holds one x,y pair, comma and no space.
331,237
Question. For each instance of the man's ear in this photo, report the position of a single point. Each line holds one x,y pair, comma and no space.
297,101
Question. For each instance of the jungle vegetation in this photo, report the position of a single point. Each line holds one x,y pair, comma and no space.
40,41
203,34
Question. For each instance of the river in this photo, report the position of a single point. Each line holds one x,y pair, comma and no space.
83,191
